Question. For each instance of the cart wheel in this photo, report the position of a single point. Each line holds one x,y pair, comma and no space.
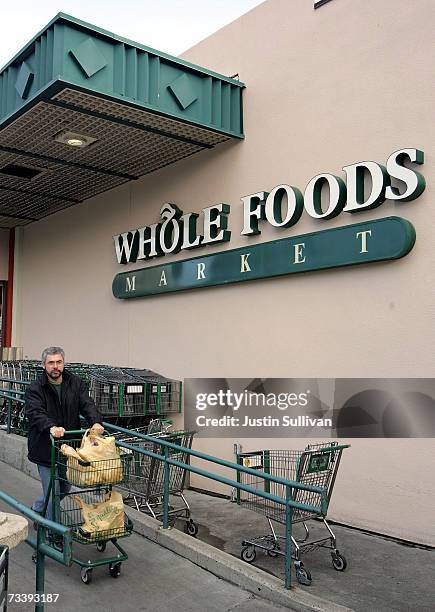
191,528
338,561
101,546
272,551
248,554
303,575
86,575
115,569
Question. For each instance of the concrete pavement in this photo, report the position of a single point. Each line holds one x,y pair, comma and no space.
162,572
383,575
153,578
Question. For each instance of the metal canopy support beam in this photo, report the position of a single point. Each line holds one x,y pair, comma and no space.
130,124
64,162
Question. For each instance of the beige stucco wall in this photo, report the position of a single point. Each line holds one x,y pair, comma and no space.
349,82
4,254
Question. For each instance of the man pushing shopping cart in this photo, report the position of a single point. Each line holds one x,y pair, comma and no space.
54,403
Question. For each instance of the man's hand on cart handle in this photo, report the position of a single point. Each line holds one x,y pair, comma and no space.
57,432
97,429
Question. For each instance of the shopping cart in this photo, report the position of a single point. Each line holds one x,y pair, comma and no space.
69,494
143,484
317,465
116,393
162,395
155,427
11,376
160,426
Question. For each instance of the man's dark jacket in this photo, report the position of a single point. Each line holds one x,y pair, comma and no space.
44,410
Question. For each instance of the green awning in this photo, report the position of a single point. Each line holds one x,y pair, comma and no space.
83,110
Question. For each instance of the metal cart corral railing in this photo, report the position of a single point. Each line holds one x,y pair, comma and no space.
41,547
316,465
143,484
286,500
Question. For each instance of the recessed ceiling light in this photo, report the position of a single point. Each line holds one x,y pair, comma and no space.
75,142
73,139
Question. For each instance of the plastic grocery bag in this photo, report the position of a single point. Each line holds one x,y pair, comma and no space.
97,461
102,519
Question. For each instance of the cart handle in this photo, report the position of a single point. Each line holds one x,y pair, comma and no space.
77,431
317,451
327,449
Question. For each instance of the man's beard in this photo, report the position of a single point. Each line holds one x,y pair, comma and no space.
54,375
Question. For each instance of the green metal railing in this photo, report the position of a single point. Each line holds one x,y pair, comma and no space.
39,544
286,501
289,485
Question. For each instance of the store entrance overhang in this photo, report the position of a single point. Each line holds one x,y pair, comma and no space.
83,110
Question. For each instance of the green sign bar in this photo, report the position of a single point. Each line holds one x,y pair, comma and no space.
379,240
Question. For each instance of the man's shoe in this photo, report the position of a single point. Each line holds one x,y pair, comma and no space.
58,543
35,524
55,540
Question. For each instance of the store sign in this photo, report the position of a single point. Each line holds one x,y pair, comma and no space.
282,207
371,241
176,232
368,185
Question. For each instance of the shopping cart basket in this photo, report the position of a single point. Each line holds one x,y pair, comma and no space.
162,395
154,427
12,389
69,496
116,393
317,465
143,484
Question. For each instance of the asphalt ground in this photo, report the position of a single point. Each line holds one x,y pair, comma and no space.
153,578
